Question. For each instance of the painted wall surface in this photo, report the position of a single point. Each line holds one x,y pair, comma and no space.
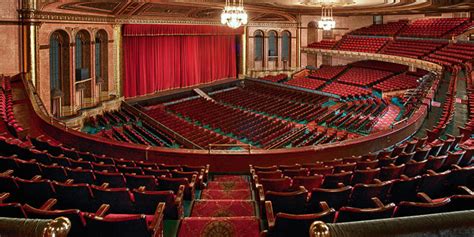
9,37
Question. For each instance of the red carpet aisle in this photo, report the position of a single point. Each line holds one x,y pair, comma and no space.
226,209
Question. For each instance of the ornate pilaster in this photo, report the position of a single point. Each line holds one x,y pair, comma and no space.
118,60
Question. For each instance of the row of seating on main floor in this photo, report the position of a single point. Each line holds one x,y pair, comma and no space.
98,222
243,124
6,107
383,66
327,72
363,76
308,83
399,82
243,98
286,94
346,91
275,78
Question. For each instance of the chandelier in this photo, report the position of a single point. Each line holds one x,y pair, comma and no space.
327,22
234,14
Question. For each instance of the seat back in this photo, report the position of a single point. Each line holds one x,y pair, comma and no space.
130,170
137,181
53,172
147,201
365,176
435,185
391,172
27,169
288,202
119,199
13,210
298,225
75,196
333,180
362,194
276,185
35,193
404,189
276,174
115,180
435,162
81,176
403,158
344,167
309,182
414,168
335,198
324,170
295,172
157,173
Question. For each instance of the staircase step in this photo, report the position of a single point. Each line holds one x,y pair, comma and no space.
236,194
227,185
222,208
220,226
234,178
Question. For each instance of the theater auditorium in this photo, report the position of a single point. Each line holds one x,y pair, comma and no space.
236,118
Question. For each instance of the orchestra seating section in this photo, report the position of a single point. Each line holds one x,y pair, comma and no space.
346,91
305,82
124,126
399,82
363,76
275,78
361,44
327,73
389,29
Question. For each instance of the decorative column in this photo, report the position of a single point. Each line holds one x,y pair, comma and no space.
118,60
29,34
244,53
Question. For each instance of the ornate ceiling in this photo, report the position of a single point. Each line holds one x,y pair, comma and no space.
259,10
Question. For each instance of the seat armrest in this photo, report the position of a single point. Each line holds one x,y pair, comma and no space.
457,167
103,209
324,206
466,190
142,189
377,202
156,226
423,196
431,172
69,181
269,213
340,185
377,181
260,193
404,177
192,186
104,185
178,201
36,178
4,196
49,204
7,173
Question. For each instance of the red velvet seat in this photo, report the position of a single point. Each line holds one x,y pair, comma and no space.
284,224
403,158
115,180
295,172
7,163
277,185
362,194
174,184
105,167
269,174
56,173
404,189
422,153
335,180
324,170
35,192
435,162
120,199
137,181
309,182
434,184
367,164
81,176
288,202
387,161
123,162
13,210
365,176
190,175
170,167
414,168
146,202
75,196
27,169
81,164
344,167
335,198
391,172
157,173
461,176
453,159
130,170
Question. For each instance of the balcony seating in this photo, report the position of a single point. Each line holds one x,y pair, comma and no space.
391,172
307,83
361,44
388,29
276,78
288,202
412,48
345,90
74,196
399,82
147,201
379,211
432,27
335,198
327,72
323,44
362,194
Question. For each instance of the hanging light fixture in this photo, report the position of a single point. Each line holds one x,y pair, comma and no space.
327,21
234,14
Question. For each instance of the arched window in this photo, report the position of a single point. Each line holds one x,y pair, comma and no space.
312,32
59,71
259,51
101,59
286,47
83,55
272,45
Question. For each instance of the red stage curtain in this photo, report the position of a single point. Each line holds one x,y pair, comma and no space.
166,61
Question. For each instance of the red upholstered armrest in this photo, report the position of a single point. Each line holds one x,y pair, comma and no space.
270,215
192,186
36,178
324,206
4,196
261,193
423,196
377,202
156,226
178,201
